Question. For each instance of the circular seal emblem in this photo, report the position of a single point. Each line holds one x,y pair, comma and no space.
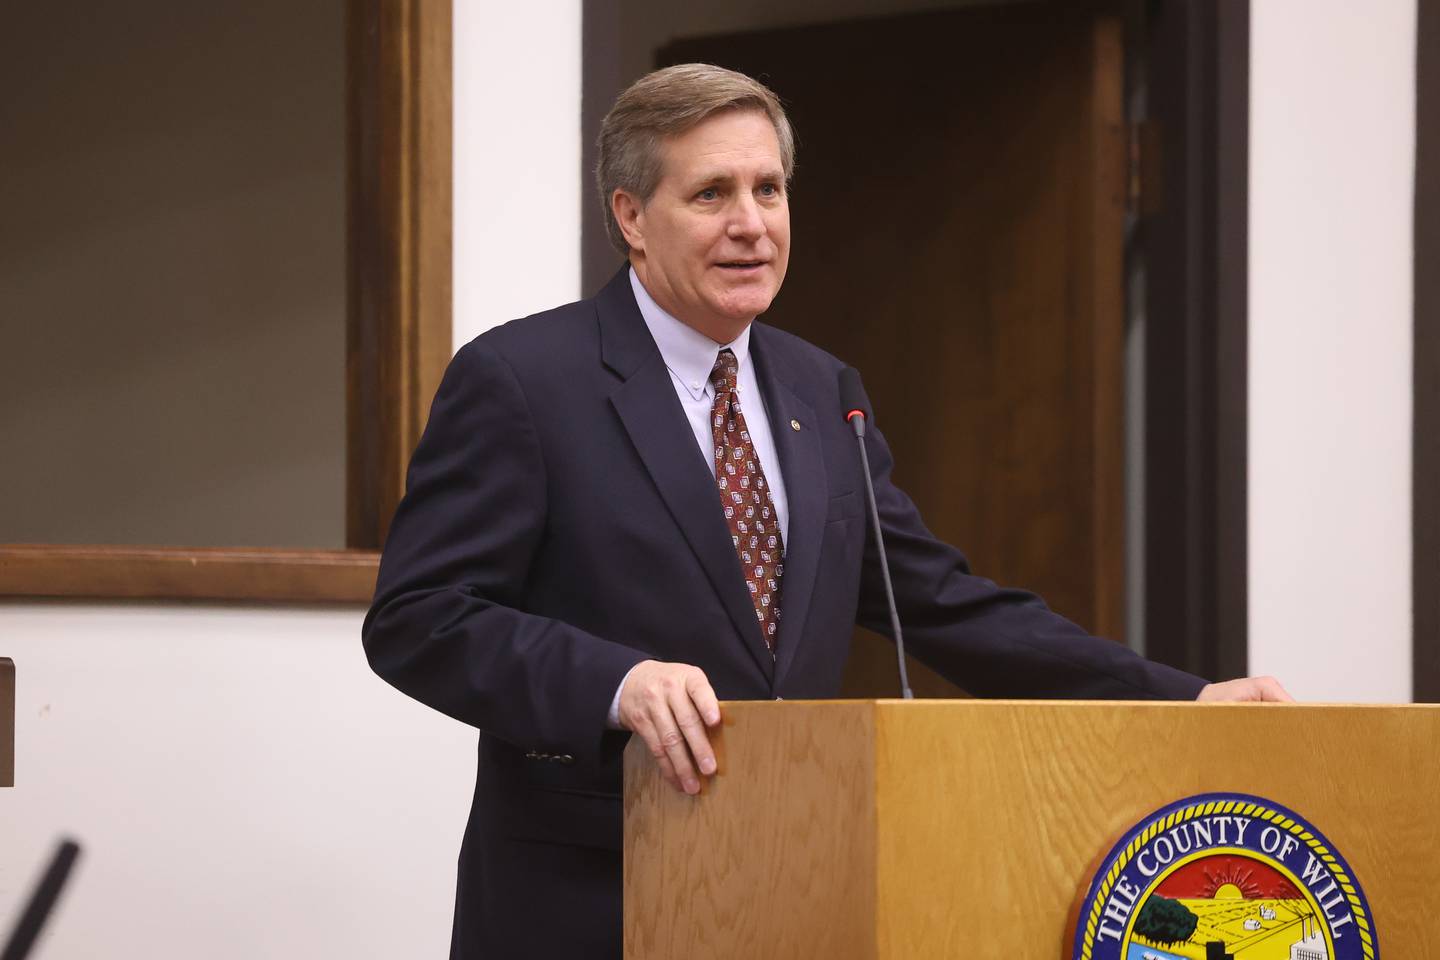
1220,876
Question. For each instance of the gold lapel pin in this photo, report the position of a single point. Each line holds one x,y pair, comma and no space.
794,424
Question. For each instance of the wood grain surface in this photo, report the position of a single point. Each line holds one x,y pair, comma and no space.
989,819
776,858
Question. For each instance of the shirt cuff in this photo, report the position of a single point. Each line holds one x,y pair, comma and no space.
612,721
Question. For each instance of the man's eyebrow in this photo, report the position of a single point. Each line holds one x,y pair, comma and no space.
714,177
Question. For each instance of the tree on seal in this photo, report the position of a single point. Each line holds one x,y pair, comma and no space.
1165,921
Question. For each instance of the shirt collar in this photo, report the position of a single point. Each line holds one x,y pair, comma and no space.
688,354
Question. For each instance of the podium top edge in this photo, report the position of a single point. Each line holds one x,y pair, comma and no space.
1074,704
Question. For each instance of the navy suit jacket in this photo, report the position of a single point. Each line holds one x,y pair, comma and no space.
560,526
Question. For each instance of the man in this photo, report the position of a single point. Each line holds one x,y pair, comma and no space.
629,508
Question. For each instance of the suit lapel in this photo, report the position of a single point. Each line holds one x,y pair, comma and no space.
652,416
806,489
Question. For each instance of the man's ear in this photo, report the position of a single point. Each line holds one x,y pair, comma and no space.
629,212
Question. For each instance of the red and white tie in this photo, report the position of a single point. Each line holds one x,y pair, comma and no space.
745,497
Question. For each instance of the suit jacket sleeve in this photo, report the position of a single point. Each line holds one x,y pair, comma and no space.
991,641
448,624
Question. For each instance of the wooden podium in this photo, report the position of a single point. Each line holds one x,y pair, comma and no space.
969,829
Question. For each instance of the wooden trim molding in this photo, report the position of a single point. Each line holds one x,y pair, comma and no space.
398,340
1107,343
7,722
1194,241
170,573
398,268
1426,445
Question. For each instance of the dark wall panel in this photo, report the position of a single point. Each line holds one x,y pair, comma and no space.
1427,356
1194,243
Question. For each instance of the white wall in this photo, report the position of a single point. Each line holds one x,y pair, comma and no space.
1332,178
242,784
517,149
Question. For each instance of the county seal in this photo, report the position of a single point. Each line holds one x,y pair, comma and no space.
1225,875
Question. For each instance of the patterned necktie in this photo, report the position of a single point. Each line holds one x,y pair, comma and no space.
754,524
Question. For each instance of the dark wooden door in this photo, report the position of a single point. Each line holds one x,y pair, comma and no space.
957,218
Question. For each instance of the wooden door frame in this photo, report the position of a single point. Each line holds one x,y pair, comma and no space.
400,329
1193,236
1426,444
398,336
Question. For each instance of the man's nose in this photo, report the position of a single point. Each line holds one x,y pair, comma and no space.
746,223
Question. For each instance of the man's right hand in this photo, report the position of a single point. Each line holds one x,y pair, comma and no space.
670,706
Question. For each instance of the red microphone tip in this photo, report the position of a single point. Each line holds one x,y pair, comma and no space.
853,414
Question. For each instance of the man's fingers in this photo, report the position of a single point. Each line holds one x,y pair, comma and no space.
687,718
669,706
1253,689
667,771
703,696
1270,689
676,747
644,728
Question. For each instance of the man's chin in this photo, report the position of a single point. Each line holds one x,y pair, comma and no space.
739,315
744,305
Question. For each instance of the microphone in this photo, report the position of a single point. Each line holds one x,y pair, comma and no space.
42,901
852,401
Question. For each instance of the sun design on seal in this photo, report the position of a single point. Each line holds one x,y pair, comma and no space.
1232,882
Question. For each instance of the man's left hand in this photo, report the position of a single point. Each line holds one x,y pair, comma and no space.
1246,689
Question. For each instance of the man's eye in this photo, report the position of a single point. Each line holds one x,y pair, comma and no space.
709,193
769,190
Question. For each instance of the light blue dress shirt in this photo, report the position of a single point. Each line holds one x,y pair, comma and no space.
689,355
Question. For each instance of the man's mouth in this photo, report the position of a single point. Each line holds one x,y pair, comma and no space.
741,264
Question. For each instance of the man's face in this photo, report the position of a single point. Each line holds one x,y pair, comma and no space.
712,244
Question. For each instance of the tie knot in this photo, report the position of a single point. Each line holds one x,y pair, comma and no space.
723,375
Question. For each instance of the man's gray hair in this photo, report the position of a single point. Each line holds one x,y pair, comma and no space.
667,103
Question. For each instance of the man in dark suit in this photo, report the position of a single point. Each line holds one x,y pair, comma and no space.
628,508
